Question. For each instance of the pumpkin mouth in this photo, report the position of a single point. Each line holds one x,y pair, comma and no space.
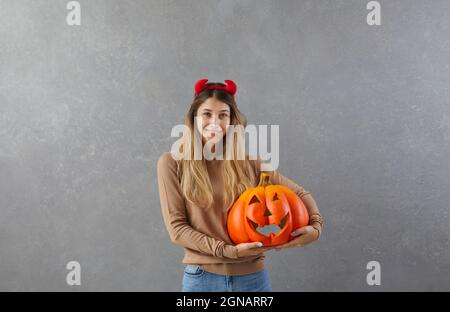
269,229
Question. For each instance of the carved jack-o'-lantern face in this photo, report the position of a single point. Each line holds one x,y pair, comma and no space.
265,206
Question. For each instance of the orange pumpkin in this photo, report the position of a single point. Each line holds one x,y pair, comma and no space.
266,205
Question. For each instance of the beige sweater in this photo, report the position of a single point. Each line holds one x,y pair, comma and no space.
203,231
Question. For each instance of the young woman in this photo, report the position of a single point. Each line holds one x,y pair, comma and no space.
196,196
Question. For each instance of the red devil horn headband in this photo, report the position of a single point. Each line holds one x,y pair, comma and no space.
200,86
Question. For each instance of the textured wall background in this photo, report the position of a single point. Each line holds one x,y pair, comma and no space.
85,112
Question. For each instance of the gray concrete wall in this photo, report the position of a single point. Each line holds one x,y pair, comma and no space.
85,112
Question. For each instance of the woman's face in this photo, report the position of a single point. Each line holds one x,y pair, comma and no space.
214,116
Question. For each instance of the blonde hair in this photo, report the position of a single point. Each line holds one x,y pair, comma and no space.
193,174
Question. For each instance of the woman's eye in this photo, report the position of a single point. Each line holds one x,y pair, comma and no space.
207,114
223,115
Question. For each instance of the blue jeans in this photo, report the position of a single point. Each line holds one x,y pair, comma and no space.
197,279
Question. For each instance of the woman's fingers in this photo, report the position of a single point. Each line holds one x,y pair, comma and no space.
244,249
299,231
253,245
251,249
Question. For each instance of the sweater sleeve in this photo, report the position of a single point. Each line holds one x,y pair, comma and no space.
315,218
174,214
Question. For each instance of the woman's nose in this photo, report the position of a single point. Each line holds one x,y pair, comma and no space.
214,120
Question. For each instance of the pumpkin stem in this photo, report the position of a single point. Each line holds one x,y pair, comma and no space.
264,179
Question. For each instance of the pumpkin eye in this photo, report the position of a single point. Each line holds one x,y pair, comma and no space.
275,197
254,200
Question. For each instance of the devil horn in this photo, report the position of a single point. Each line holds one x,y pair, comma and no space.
200,86
231,87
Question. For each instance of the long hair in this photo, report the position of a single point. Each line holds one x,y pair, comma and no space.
193,174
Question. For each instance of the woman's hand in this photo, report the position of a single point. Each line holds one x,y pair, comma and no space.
305,235
250,249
